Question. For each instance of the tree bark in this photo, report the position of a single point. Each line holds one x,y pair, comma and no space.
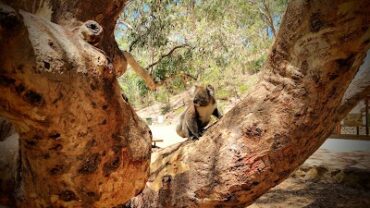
81,144
286,117
6,129
69,13
357,90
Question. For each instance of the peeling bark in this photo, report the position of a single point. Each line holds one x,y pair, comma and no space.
286,117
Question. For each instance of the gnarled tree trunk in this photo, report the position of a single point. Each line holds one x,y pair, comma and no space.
81,145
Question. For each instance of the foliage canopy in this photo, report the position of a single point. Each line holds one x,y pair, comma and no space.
181,42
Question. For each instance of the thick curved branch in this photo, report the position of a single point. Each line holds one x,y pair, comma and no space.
357,90
254,147
285,118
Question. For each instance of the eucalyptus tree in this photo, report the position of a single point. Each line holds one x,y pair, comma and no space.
82,145
180,42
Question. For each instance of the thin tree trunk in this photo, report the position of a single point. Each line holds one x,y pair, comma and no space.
266,13
285,118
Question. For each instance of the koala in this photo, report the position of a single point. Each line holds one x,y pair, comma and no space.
198,113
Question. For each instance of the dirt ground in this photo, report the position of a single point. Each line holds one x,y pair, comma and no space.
295,192
326,180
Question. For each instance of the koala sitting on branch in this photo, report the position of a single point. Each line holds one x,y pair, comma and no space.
198,113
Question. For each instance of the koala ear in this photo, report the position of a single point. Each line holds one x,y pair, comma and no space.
210,90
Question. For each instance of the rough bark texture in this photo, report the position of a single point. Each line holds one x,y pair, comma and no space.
81,144
69,12
9,163
288,115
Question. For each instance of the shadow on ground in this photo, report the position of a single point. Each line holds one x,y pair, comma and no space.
347,188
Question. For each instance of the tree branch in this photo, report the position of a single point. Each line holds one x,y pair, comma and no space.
195,78
133,43
78,136
166,55
127,25
140,71
266,12
357,90
286,117
169,78
143,73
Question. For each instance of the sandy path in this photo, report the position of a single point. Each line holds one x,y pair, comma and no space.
169,136
167,133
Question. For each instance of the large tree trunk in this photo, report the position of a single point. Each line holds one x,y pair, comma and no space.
81,145
285,118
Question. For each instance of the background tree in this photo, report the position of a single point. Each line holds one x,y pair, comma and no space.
182,42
